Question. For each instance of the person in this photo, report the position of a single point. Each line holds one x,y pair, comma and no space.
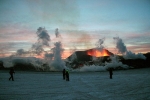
110,73
67,75
11,72
64,74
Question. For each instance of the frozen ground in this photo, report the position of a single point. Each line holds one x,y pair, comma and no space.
125,85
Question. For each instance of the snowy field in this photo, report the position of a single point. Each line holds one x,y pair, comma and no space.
125,85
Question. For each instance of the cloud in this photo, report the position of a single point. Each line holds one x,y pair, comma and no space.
139,47
12,33
64,13
137,35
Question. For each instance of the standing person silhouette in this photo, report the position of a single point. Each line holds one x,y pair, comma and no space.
110,73
11,72
64,74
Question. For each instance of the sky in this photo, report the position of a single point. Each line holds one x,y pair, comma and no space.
81,24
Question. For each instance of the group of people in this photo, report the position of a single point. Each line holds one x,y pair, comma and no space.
66,74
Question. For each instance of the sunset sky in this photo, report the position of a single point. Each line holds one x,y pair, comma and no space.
81,24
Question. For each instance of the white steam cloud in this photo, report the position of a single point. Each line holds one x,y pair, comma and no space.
20,52
114,63
120,45
43,36
57,63
37,48
57,33
131,55
123,50
54,62
99,44
43,40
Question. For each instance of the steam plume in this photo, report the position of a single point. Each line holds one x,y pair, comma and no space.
115,63
49,56
131,55
38,48
43,40
99,44
57,63
57,33
123,50
120,45
43,36
20,51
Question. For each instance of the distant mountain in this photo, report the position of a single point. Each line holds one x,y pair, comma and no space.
137,63
85,56
25,63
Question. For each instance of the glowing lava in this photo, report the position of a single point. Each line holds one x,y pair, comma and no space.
98,53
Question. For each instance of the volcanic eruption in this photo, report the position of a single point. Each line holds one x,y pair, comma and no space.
98,53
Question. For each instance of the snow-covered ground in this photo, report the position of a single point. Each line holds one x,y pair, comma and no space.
125,85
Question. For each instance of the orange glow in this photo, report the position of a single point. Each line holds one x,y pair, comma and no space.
97,53
65,54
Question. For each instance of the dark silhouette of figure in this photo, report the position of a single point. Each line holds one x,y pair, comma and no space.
110,73
11,72
64,74
67,75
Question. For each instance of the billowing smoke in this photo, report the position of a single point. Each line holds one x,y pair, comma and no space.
57,63
43,36
99,44
52,61
37,48
100,47
20,52
120,45
123,50
7,62
131,55
57,33
49,56
115,63
39,64
43,40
